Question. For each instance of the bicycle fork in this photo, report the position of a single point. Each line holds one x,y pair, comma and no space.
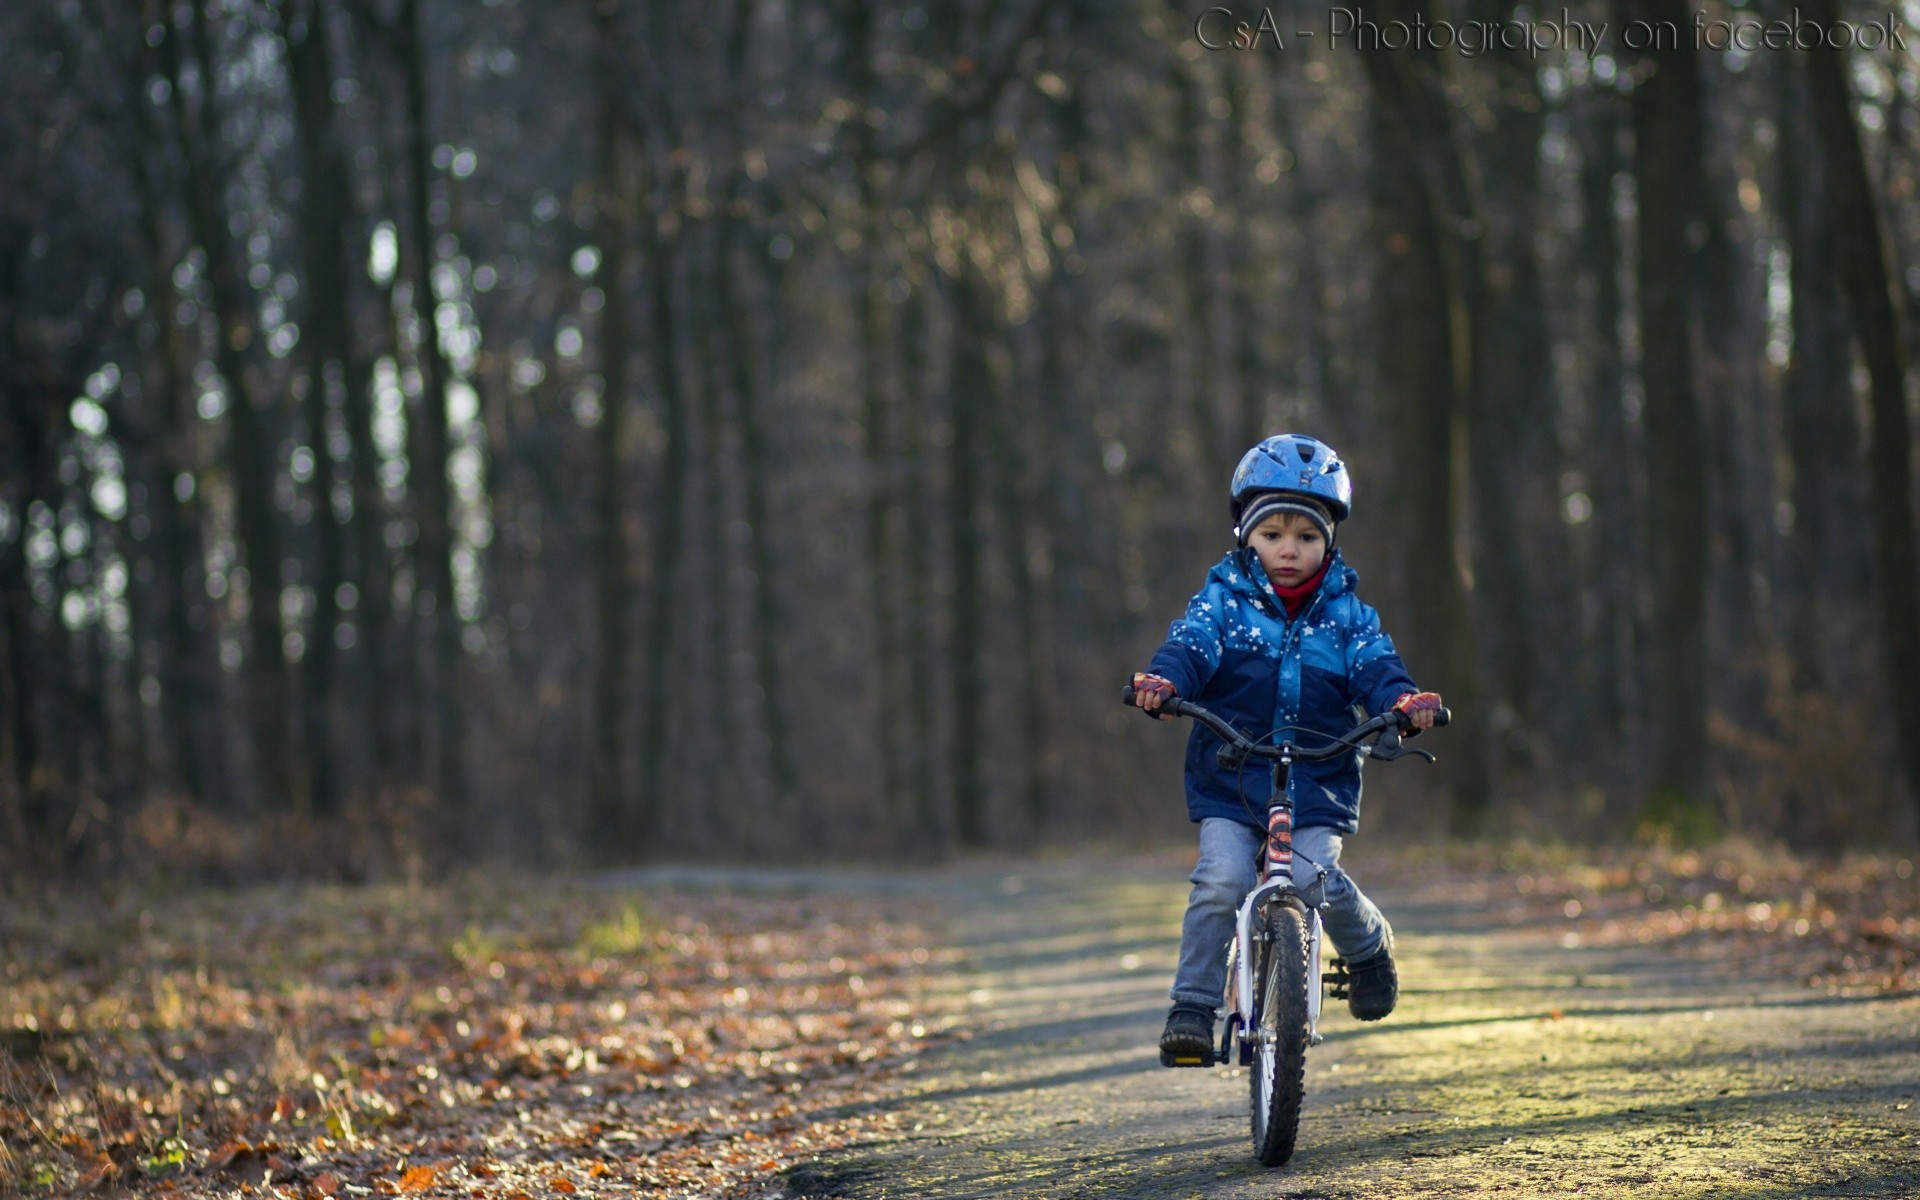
1247,933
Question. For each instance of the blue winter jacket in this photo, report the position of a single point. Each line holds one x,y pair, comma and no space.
1237,654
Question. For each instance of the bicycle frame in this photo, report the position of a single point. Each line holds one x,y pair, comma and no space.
1276,879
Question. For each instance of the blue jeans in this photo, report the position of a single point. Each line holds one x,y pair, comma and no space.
1227,870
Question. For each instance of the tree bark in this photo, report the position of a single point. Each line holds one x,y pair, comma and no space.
1194,199
663,617
743,360
250,443
1251,374
1514,468
1667,149
1427,289
1822,430
1616,673
189,671
327,330
1017,508
1878,322
929,829
881,527
972,382
609,805
434,509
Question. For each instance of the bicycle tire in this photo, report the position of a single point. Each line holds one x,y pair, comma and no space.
1279,1029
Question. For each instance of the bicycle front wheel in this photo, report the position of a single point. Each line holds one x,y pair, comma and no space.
1279,1029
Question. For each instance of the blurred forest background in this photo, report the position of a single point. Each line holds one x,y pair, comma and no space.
579,431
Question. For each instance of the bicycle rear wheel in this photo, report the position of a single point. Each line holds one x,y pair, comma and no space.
1279,1031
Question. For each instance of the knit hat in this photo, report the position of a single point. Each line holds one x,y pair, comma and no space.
1268,504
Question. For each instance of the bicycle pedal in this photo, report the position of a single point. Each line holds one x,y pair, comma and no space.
1186,1060
1337,980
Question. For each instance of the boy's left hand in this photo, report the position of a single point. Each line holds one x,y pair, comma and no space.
1420,708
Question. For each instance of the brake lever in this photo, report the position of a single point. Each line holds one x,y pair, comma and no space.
1389,747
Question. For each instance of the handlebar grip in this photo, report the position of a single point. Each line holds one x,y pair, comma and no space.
1168,708
1405,723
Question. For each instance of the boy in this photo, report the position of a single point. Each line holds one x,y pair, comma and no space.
1276,637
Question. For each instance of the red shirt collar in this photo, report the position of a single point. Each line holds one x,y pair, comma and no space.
1295,598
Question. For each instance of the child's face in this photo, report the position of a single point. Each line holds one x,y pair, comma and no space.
1290,548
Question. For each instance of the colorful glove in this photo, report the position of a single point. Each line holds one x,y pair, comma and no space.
1420,708
1150,692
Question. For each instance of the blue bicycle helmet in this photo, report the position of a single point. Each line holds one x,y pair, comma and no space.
1294,462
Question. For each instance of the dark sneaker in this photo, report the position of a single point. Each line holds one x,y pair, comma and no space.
1373,986
1188,1040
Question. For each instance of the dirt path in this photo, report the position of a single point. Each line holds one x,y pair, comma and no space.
1519,1063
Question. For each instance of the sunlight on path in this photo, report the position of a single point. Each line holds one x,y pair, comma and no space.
1516,1065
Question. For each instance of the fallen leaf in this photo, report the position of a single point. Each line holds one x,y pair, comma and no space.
563,1184
418,1179
326,1183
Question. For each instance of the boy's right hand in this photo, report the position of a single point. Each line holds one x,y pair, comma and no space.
1150,692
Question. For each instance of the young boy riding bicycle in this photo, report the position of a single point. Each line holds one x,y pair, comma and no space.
1276,638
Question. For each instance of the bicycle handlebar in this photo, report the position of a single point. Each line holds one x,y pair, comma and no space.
1387,722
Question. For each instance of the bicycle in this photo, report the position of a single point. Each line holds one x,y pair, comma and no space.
1275,952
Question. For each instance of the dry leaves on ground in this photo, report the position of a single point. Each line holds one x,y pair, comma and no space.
1849,923
528,1038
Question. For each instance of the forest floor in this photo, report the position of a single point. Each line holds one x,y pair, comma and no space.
508,1037
1651,1024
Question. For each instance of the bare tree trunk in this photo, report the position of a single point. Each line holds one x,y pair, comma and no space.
1427,290
1617,677
388,658
1016,507
1877,320
327,334
23,691
1730,289
715,677
1250,330
929,829
608,802
1822,429
1195,199
972,383
744,359
189,669
663,619
250,444
434,512
1666,125
881,530
1514,468
1318,383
